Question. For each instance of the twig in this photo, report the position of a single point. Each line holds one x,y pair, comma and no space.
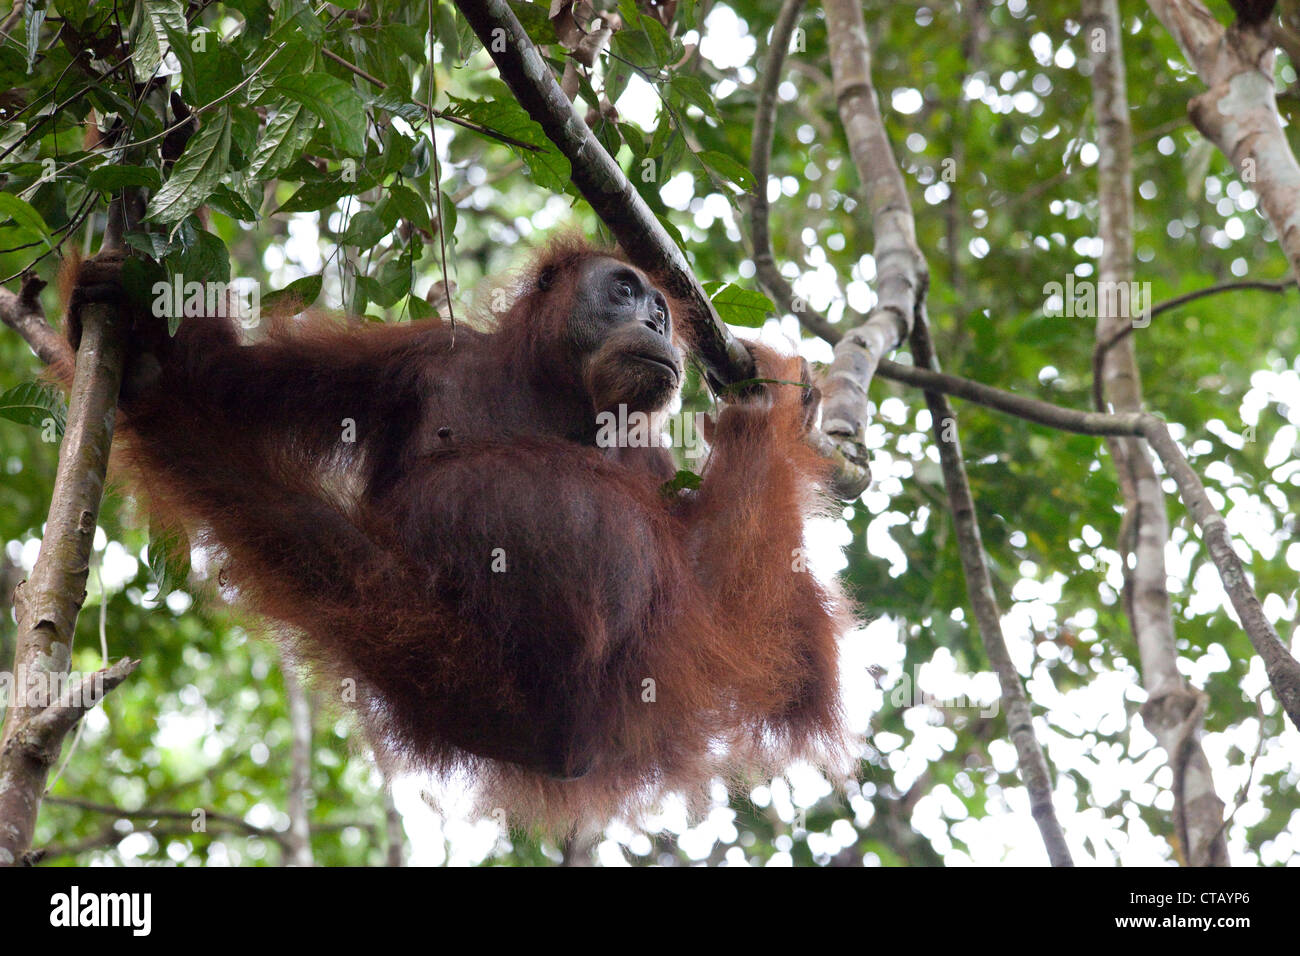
1244,791
760,160
22,312
1105,345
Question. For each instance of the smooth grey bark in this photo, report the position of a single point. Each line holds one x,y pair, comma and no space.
1173,709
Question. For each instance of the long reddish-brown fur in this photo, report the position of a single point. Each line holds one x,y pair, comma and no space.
379,553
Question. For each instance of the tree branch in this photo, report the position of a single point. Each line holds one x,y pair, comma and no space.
22,312
1105,344
850,477
298,838
1238,110
602,183
760,162
902,281
902,275
1173,710
42,735
47,605
1282,669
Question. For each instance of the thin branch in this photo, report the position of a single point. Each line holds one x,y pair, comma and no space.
1009,403
1281,285
42,734
760,161
1105,345
1034,771
22,312
14,15
298,838
373,80
1244,790
902,275
1282,669
236,824
163,813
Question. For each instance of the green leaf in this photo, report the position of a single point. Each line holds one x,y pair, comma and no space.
417,162
365,230
650,28
398,106
392,282
74,11
111,178
394,151
635,47
409,205
682,480
33,404
447,31
406,38
33,18
536,23
229,203
150,25
728,168
607,135
169,559
287,132
152,244
206,259
744,307
315,196
25,216
634,137
294,19
684,90
295,57
196,173
450,215
338,105
296,297
418,308
548,167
